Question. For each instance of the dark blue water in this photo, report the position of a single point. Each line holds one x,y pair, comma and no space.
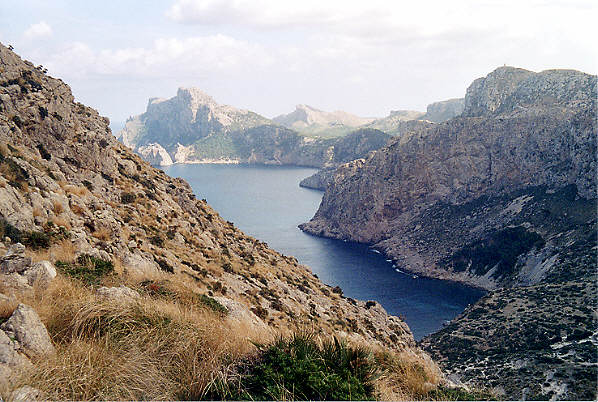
267,203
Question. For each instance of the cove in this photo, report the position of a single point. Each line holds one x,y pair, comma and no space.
266,202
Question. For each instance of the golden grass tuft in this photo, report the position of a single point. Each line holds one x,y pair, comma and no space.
57,207
76,190
37,211
148,349
102,233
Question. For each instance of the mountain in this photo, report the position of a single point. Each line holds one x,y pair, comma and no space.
501,197
192,128
142,290
438,112
310,121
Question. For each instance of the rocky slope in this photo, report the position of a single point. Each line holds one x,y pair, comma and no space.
310,121
493,198
69,188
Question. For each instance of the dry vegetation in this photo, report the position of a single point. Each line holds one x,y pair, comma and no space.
165,345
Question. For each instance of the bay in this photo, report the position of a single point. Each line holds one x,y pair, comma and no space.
266,202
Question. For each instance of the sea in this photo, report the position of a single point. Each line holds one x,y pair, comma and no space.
266,202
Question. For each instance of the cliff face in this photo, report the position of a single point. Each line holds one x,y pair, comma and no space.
66,180
498,197
438,112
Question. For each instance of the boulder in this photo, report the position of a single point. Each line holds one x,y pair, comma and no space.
26,393
41,273
25,326
14,260
120,294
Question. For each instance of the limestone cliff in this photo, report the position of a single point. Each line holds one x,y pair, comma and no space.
503,196
67,185
438,112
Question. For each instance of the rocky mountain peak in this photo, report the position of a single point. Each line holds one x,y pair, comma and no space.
514,90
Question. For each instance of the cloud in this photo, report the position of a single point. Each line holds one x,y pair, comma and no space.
39,30
167,57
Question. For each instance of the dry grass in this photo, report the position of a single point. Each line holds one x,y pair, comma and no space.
76,190
150,349
37,211
62,221
102,233
77,209
406,377
57,207
62,250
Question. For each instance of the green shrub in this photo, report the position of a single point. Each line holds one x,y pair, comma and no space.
89,270
213,304
37,240
127,198
8,230
299,368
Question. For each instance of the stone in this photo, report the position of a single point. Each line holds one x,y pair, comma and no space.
26,393
14,260
41,273
9,352
25,326
120,294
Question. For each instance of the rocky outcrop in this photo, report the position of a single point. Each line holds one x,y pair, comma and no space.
439,112
72,188
314,122
17,272
503,196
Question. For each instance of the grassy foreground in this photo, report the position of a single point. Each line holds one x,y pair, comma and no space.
172,343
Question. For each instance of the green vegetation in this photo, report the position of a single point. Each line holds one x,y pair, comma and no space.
89,270
213,304
299,368
501,248
443,393
127,198
33,239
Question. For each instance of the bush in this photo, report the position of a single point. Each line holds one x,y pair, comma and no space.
127,198
89,270
300,369
37,240
8,230
213,304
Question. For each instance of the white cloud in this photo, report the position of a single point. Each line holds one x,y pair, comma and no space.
168,57
39,30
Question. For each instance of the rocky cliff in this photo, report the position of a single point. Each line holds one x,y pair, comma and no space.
438,112
495,198
75,196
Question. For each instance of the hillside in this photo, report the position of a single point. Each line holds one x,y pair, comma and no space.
313,122
503,196
132,287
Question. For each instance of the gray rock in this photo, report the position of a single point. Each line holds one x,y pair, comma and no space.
9,352
40,273
120,294
14,260
25,326
26,393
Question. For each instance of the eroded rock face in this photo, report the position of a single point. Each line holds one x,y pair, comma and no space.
439,112
27,329
381,200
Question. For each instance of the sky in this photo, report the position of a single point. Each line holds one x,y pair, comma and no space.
366,57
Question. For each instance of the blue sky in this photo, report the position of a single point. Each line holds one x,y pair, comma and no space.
364,57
